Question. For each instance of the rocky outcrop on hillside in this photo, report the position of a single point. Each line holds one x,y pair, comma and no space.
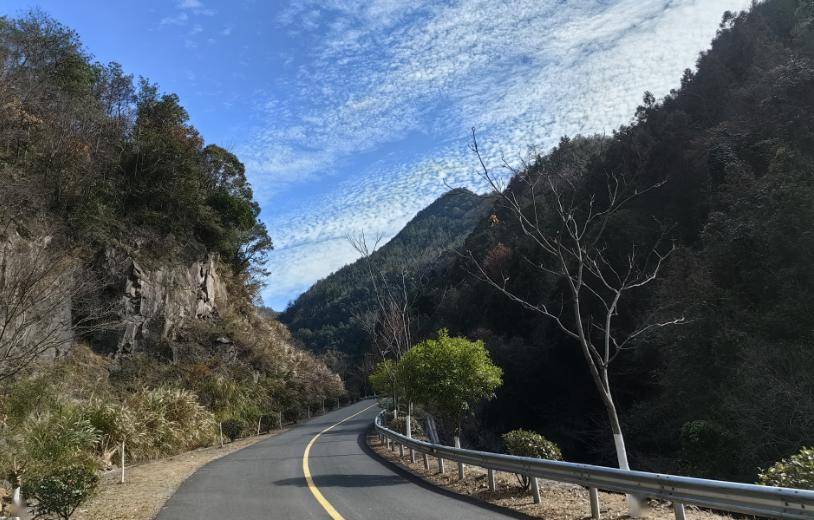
153,302
37,294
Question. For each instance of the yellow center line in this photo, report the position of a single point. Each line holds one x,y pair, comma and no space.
333,513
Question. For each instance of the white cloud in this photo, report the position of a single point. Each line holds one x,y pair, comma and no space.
195,7
524,73
178,19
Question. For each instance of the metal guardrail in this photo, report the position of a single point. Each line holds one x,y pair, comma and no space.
735,497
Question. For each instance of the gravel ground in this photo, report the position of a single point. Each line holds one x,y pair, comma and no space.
560,501
148,486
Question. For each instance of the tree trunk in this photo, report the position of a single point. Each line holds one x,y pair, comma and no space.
634,506
408,427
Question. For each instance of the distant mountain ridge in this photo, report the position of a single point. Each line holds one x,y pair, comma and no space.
322,317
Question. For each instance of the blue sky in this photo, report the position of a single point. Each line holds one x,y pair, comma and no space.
352,115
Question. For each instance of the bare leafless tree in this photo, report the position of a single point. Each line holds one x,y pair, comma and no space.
567,229
45,300
389,326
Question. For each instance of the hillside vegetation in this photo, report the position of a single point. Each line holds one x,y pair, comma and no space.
723,169
130,255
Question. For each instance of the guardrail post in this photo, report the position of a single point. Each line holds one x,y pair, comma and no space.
412,455
461,467
535,489
426,462
594,494
492,483
401,450
678,507
441,465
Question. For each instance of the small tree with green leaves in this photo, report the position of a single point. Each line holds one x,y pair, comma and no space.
384,379
60,491
796,471
525,443
450,375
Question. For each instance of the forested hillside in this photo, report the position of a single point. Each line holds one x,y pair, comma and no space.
326,317
721,173
129,259
730,390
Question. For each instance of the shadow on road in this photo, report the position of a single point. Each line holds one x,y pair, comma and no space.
349,481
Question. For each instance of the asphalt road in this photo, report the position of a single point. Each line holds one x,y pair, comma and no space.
266,480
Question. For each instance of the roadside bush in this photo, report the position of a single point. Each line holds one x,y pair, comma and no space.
59,492
525,443
168,421
52,434
24,397
58,438
114,423
400,423
706,449
232,429
796,471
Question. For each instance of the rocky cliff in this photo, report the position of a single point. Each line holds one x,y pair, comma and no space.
153,302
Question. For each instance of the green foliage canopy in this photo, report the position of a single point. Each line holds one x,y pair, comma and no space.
450,375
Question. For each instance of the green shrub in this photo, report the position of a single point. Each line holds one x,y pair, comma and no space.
113,422
53,434
232,429
706,448
525,443
796,471
59,492
400,423
24,397
58,438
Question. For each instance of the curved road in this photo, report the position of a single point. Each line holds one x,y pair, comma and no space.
266,480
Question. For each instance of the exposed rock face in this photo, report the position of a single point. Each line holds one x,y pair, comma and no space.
155,302
144,305
36,293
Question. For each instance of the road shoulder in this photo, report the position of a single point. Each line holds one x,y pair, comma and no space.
148,486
